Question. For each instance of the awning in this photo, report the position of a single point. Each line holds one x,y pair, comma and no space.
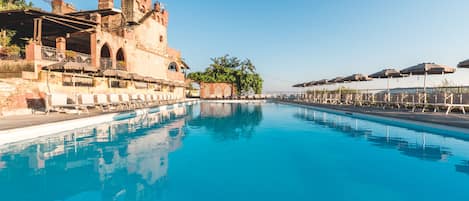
52,24
136,77
115,74
150,79
71,67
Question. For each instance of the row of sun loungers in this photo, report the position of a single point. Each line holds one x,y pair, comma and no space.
106,102
249,97
413,101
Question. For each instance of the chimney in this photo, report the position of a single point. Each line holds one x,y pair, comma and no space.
61,7
105,4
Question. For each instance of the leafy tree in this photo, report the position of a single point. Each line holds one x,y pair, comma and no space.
231,70
7,36
14,4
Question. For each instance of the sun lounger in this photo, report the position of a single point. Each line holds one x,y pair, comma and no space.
86,101
142,100
60,103
114,101
460,101
135,101
155,98
149,99
101,101
125,101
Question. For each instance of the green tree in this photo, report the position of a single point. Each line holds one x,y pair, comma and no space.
14,4
7,40
231,70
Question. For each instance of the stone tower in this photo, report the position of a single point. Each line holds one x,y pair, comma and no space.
105,4
135,10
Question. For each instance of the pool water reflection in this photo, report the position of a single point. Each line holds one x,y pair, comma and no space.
216,151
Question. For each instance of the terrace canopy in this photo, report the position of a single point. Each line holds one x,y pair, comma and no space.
36,24
150,79
70,67
136,77
112,73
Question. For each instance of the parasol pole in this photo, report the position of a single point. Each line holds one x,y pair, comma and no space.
388,89
425,87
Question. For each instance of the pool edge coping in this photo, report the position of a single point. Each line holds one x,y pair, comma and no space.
423,126
30,132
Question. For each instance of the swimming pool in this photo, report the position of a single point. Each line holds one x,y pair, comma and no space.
257,151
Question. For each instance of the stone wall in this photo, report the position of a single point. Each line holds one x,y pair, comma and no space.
18,96
217,90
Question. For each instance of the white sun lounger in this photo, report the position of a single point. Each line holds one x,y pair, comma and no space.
102,102
59,102
125,101
135,100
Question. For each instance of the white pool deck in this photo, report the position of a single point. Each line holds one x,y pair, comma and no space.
66,122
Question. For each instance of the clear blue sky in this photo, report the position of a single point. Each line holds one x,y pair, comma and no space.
302,40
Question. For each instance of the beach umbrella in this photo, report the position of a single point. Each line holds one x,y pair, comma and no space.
301,85
387,74
322,82
357,78
310,84
464,64
338,80
426,69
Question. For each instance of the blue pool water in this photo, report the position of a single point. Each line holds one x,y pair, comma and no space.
215,152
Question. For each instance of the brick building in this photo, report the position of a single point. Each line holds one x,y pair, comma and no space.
132,39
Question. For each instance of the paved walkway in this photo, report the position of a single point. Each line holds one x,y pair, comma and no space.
440,118
21,121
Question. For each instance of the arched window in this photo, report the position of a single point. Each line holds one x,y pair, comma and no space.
120,57
106,61
173,67
161,39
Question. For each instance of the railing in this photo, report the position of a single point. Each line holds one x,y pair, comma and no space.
105,63
51,54
78,57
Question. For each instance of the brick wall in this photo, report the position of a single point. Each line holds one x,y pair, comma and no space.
217,90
